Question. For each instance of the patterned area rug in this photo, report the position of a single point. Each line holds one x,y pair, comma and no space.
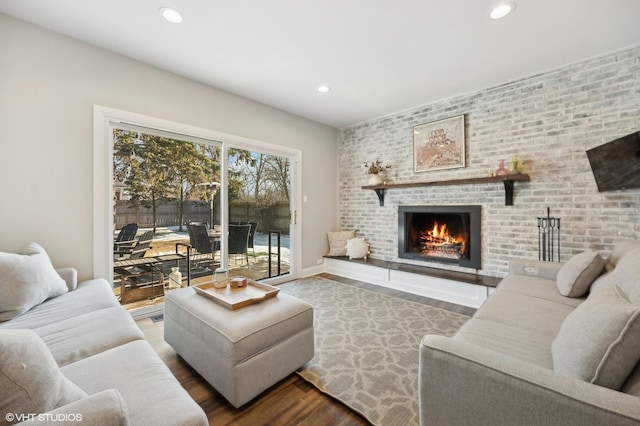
367,347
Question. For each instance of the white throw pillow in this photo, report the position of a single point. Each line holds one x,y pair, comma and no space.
30,381
619,251
338,242
27,279
575,276
598,342
626,275
357,248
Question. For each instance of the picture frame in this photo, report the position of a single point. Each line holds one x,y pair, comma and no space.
439,145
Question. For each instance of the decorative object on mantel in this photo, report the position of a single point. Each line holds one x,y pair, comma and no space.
439,145
357,248
506,180
514,165
549,238
377,172
501,170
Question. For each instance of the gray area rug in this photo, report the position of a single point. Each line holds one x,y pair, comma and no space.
367,347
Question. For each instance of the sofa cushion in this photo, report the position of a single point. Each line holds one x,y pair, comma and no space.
90,296
30,381
151,391
526,312
338,242
106,408
537,287
520,343
575,276
619,251
79,337
605,280
626,273
599,342
27,278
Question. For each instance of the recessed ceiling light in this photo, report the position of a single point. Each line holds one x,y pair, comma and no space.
502,10
171,15
323,89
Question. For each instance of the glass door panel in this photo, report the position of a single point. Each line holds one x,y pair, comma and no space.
259,215
166,187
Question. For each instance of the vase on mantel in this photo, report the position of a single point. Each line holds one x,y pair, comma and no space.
375,179
501,171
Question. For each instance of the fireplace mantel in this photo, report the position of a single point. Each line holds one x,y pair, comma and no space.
506,180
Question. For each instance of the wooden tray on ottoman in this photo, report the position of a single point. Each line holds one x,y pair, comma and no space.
236,298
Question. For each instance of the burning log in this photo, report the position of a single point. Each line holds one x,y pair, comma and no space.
438,242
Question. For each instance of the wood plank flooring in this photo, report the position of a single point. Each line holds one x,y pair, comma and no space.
292,401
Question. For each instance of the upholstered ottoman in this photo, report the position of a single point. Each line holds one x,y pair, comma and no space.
243,352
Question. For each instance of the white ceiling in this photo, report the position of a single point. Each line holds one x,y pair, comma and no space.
378,56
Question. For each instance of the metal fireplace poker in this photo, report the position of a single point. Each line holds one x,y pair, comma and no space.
549,238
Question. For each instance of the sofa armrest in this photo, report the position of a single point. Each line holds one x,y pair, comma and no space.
463,384
70,276
534,268
106,408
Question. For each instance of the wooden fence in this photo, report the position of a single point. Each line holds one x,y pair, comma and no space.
275,217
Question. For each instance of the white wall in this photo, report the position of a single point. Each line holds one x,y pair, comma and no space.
549,120
48,86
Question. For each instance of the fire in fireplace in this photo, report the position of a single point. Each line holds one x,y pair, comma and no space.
449,234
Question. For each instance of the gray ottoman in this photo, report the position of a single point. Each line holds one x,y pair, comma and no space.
243,352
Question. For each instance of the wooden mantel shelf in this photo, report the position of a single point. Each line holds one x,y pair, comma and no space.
506,180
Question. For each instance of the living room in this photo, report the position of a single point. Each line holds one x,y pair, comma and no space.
547,117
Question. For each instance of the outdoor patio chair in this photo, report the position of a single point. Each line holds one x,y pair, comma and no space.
125,239
252,233
239,240
201,242
136,247
132,286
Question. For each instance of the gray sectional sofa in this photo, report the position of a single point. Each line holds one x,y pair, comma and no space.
79,353
556,344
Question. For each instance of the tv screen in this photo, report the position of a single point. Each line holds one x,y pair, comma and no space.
616,164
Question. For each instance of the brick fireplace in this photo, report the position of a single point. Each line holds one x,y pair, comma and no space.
443,234
549,120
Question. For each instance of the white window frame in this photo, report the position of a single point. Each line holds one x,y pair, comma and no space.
105,118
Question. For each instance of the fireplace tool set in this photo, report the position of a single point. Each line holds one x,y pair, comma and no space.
549,238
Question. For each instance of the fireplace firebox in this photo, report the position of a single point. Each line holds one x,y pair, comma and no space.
445,234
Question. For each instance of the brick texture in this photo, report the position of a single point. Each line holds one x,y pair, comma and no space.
549,120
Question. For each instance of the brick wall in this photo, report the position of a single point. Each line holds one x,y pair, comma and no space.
549,120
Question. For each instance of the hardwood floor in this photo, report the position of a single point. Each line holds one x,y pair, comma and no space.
292,401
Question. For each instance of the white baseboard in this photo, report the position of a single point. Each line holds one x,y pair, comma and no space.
436,288
314,270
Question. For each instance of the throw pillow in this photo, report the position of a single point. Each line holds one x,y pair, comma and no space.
357,248
338,242
626,275
27,279
598,342
30,382
575,276
619,251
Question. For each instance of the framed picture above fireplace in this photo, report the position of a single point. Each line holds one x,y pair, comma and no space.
439,145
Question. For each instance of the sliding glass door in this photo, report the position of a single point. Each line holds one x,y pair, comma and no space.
260,218
229,205
166,201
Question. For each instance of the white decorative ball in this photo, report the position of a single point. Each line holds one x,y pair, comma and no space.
357,248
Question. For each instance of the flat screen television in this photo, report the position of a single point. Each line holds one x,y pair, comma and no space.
616,164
